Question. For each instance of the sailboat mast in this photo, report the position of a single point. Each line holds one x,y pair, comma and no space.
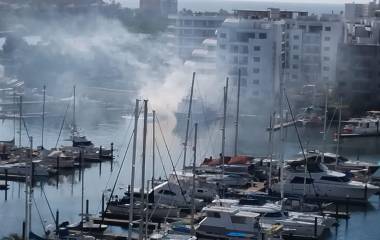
224,131
154,148
30,187
338,137
43,117
14,114
325,126
188,122
26,225
131,201
20,122
142,190
74,120
282,138
271,146
193,191
237,115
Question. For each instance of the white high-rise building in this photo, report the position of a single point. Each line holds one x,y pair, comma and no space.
256,48
190,29
313,43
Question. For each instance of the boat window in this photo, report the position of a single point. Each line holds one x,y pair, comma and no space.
200,190
213,214
367,124
238,219
273,215
167,192
335,179
300,180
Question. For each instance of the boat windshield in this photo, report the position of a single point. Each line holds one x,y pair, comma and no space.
335,179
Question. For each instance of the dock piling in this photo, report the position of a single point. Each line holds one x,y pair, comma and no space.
6,184
315,227
57,221
87,205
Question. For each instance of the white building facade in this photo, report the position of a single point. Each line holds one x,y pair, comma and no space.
256,48
191,29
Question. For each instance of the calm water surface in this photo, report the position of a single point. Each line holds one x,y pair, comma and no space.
363,223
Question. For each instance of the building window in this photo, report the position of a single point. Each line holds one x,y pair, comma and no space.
296,37
328,29
326,68
256,70
243,82
295,66
296,47
327,38
222,46
256,48
243,71
244,36
256,59
326,48
294,76
296,57
243,60
244,49
255,81
325,78
223,35
234,48
262,35
325,58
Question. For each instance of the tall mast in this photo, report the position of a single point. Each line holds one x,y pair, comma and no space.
26,226
272,123
325,125
20,122
237,115
193,191
142,190
14,114
74,120
154,148
188,122
338,137
224,130
30,187
282,138
131,201
43,117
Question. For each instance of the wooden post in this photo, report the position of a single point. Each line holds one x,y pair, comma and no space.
6,184
57,222
23,230
103,204
87,212
315,227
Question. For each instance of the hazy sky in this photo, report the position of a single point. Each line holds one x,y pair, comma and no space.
302,1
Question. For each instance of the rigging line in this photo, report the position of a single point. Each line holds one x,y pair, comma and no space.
332,118
62,124
166,176
39,215
47,201
171,159
299,139
26,129
207,119
117,177
110,176
118,174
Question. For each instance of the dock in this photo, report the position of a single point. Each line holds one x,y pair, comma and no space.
277,127
122,222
